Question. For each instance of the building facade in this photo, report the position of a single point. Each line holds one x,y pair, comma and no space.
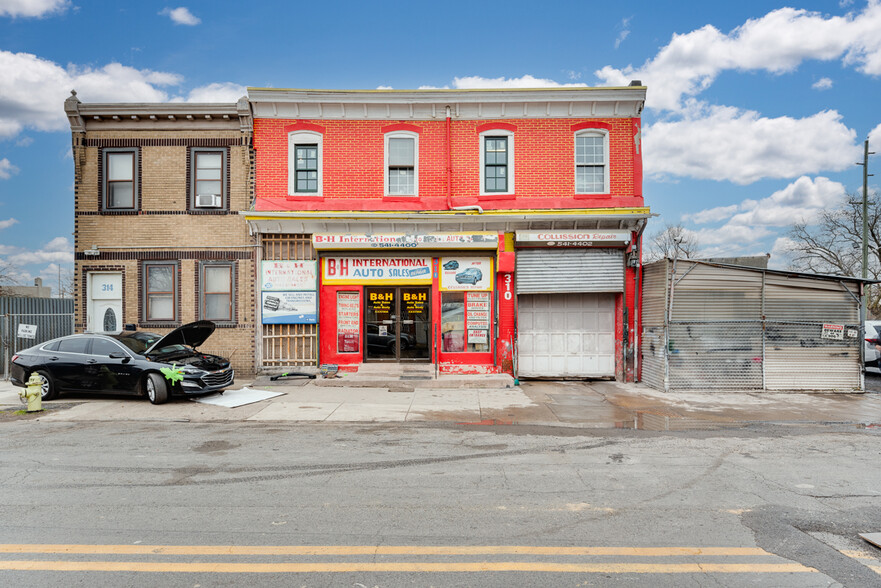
482,231
159,241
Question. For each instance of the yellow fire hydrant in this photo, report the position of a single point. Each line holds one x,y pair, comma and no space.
33,393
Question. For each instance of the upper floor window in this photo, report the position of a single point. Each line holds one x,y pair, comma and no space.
120,187
305,162
217,298
401,163
159,293
591,162
208,178
497,162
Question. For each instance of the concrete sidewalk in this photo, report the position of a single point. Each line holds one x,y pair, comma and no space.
486,400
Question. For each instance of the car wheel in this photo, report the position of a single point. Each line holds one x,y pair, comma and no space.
47,384
157,390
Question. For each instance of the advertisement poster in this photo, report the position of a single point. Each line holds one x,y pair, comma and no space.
286,276
348,322
478,240
290,308
466,273
478,336
371,270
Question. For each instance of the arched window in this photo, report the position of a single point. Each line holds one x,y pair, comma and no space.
401,163
305,163
592,161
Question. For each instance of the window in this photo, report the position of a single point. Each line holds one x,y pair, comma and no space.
104,347
217,298
455,335
160,292
401,159
120,179
305,162
591,163
497,162
74,345
208,178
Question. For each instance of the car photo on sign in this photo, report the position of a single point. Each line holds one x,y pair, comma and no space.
466,273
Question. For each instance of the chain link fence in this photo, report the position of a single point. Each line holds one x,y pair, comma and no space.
48,326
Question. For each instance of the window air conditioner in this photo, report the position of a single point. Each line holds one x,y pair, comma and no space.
208,200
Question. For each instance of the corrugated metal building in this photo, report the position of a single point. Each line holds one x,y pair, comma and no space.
712,326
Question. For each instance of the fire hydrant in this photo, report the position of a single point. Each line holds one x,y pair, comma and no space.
33,394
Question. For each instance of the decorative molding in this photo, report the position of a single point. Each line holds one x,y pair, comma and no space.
591,124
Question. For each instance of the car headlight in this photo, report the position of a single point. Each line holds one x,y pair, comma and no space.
188,369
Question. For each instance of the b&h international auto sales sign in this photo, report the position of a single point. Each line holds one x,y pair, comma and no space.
376,270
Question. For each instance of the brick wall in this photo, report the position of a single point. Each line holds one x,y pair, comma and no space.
353,158
165,228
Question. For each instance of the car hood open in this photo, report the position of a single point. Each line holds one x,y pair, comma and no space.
192,334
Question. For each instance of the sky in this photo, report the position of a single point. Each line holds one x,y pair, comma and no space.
755,116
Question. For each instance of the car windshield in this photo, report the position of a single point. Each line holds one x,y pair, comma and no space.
138,342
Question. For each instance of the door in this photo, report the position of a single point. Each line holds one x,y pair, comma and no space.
105,302
566,335
397,323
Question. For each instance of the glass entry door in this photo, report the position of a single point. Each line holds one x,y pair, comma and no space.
397,323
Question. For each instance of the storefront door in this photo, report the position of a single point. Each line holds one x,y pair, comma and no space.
397,323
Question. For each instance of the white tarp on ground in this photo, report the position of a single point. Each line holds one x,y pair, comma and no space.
234,398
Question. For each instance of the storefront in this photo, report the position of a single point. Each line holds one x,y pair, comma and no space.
571,301
405,298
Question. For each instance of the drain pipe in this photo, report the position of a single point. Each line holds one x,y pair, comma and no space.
449,162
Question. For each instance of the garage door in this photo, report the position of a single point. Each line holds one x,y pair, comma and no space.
566,335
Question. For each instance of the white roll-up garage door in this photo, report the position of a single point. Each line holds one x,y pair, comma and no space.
570,270
566,335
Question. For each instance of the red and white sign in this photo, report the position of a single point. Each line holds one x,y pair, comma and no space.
478,240
572,238
832,332
476,336
289,275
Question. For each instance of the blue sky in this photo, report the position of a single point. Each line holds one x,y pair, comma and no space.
756,111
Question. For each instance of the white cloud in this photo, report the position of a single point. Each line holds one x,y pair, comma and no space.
5,224
875,139
181,16
625,31
33,89
711,215
7,170
731,236
58,250
822,84
32,8
777,42
384,88
527,81
24,142
217,92
726,143
801,200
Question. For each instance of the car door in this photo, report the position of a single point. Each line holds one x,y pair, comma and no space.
67,364
112,374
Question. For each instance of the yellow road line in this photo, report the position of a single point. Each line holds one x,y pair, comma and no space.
381,550
863,558
276,568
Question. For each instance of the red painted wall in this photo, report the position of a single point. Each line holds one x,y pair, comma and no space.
353,157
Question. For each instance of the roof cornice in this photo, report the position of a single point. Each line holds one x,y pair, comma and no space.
577,102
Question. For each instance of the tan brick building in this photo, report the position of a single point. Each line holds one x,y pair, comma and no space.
159,241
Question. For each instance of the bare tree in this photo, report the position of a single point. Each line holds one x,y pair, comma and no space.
672,241
6,277
833,244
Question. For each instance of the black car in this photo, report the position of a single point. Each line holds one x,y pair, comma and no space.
131,362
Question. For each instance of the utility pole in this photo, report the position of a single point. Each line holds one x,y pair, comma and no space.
866,174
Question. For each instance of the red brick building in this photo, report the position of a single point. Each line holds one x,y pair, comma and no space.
484,230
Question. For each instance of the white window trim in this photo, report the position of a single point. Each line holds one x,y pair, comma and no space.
482,149
606,164
304,138
402,135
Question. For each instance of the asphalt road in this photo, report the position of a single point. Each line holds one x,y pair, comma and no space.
183,504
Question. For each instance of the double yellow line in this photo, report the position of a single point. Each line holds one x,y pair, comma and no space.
638,567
